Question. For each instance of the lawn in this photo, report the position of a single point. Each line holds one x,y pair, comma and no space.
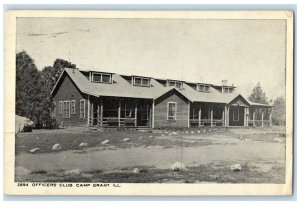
207,156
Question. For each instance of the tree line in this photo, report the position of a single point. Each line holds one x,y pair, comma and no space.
33,88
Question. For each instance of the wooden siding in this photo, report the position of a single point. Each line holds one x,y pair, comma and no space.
161,109
68,91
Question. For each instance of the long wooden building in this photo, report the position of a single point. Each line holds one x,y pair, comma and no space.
93,98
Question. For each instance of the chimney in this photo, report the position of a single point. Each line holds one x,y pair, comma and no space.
224,82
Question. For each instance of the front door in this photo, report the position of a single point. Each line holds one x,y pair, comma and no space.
236,115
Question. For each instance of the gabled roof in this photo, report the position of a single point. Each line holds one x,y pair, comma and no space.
122,88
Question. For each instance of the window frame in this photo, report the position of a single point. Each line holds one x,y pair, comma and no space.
73,101
141,78
176,82
69,107
238,114
60,107
101,77
80,116
206,88
175,113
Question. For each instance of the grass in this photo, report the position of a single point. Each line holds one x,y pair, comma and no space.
71,141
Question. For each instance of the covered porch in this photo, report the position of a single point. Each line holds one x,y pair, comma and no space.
260,116
207,114
119,112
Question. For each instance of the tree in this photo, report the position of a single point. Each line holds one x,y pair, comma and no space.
278,115
32,93
258,95
52,73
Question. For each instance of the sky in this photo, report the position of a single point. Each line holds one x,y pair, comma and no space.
244,52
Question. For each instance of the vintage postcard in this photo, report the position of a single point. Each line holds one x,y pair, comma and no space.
148,102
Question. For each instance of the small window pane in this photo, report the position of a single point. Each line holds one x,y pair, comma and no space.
138,81
206,88
82,109
172,111
106,78
145,82
96,77
171,83
179,85
73,107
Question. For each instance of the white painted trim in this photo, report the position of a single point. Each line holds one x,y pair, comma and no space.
189,104
74,107
153,113
82,100
175,115
88,113
66,101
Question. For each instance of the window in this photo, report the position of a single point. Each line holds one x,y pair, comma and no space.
139,81
60,107
73,107
236,113
66,109
227,90
203,88
82,108
177,84
172,110
102,77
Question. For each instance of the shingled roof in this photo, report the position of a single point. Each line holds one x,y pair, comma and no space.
122,88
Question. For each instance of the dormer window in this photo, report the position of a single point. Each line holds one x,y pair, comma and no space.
141,81
101,77
203,88
227,89
177,84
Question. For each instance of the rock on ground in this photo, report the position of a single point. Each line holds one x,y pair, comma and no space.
199,131
22,171
126,139
34,150
236,167
105,142
73,171
136,171
174,133
83,144
56,147
178,166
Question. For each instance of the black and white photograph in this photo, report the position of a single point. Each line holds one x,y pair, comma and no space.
157,99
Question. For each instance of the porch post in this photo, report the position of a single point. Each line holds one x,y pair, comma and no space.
135,114
270,116
211,117
253,118
223,116
152,114
119,113
98,115
101,112
245,116
88,111
189,107
262,118
228,116
199,116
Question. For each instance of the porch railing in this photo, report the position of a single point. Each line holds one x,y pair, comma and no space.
207,122
115,121
259,122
